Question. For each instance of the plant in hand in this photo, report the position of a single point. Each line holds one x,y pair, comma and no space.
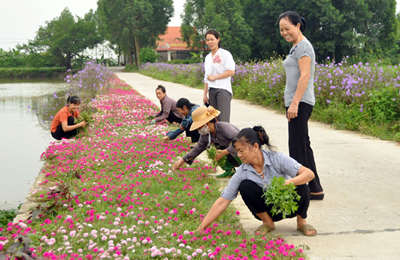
211,153
85,116
283,197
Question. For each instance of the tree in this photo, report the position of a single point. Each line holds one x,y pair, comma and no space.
65,37
131,24
225,16
335,28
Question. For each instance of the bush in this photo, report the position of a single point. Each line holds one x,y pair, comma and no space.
130,68
31,72
148,54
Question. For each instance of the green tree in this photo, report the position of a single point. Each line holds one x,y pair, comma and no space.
225,16
335,28
131,24
65,37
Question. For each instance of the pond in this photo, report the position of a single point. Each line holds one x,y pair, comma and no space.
23,136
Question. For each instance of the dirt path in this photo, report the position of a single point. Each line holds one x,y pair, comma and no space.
360,216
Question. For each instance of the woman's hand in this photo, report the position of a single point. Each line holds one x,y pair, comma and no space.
165,139
220,154
211,77
287,182
205,99
292,111
177,164
82,124
181,127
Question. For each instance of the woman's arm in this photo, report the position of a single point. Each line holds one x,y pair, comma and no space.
224,75
305,70
304,175
67,128
205,98
216,210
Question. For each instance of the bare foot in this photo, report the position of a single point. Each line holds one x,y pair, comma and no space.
301,223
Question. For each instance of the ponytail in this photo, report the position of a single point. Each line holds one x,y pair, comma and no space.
253,135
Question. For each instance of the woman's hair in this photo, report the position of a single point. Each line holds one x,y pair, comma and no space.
294,18
161,87
253,135
74,100
184,102
216,34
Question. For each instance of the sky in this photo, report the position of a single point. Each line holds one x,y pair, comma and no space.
20,19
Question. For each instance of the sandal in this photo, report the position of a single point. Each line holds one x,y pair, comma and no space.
264,228
305,228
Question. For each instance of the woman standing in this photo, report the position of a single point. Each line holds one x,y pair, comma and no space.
258,168
219,68
168,108
63,124
186,109
299,93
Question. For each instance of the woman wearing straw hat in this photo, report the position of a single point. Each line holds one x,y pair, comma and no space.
215,133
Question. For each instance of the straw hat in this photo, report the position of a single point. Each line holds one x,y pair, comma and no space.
203,115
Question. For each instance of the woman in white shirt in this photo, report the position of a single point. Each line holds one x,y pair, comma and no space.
219,68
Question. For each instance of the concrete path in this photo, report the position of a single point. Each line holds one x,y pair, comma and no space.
360,216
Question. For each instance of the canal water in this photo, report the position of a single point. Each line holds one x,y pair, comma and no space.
23,135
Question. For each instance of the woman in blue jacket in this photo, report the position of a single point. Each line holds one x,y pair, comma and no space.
185,108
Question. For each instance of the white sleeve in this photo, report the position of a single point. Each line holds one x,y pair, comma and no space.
229,63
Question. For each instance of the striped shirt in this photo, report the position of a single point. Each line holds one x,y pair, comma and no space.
275,165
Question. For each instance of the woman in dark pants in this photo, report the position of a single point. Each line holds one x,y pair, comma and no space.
258,168
299,94
63,124
168,108
186,109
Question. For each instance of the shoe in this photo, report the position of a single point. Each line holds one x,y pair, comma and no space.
317,196
305,228
264,229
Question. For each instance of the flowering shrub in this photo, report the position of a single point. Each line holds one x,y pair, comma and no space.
112,195
359,97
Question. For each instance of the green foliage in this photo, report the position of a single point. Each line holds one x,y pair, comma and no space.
282,197
65,37
139,23
7,216
31,72
187,61
18,58
225,16
130,68
335,28
148,54
211,153
85,116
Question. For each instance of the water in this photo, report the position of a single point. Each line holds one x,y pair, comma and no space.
22,137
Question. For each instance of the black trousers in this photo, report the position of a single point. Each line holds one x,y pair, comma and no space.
194,135
59,133
300,145
251,194
173,118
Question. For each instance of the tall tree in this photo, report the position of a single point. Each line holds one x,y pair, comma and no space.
134,23
225,16
65,37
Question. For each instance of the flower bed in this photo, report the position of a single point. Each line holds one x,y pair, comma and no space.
111,194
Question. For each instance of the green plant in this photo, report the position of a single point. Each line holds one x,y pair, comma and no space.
211,153
282,197
84,116
130,68
7,216
148,54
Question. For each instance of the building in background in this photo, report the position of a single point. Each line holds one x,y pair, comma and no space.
171,47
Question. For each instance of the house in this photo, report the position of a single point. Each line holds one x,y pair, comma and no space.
171,47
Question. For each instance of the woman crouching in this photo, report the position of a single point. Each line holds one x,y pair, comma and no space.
63,124
258,168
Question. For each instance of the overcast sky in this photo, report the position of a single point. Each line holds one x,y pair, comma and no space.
20,19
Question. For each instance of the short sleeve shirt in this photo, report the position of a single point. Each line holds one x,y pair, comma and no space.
275,165
61,116
221,62
291,64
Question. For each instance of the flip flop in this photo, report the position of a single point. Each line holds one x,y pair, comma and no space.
306,228
264,228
